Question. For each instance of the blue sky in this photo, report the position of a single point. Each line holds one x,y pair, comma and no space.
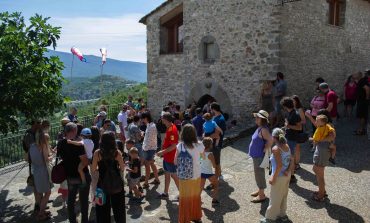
90,25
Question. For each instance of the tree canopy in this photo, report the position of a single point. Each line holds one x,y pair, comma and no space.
30,82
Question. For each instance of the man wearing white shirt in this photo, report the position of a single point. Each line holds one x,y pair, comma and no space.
122,122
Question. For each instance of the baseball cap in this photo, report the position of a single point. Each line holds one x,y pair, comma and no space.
86,132
103,113
324,85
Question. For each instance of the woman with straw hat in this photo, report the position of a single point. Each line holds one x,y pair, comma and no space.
260,144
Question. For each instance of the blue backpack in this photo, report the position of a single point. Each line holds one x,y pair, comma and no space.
184,164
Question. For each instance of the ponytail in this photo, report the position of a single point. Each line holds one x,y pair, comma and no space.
279,134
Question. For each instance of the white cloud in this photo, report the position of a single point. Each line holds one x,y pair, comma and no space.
124,37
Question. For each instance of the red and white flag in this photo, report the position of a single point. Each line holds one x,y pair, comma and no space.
103,52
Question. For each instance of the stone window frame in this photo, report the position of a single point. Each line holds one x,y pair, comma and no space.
336,12
203,49
172,32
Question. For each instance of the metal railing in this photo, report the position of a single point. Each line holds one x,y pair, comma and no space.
11,148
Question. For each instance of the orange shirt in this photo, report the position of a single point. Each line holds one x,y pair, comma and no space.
171,138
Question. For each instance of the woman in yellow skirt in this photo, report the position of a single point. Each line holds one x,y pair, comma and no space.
188,154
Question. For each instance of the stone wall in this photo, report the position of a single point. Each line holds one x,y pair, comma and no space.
312,48
247,34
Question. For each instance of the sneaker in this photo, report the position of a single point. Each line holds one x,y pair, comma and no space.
284,218
209,187
293,179
163,196
265,220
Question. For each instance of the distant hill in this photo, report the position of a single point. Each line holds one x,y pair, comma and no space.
133,71
85,88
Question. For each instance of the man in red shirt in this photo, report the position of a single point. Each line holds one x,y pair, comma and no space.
331,101
168,153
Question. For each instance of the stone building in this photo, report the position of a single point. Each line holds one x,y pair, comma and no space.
201,49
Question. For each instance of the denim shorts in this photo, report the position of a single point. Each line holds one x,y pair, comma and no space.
148,155
206,176
292,144
169,167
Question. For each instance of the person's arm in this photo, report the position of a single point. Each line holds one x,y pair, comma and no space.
268,138
96,159
96,119
303,118
312,120
218,130
330,107
297,126
330,137
119,159
76,143
279,165
212,159
167,150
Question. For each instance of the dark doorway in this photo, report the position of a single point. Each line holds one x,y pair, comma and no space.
204,100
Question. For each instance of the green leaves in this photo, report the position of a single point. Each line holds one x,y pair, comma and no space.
30,83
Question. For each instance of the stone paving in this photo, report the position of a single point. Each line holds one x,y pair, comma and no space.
347,185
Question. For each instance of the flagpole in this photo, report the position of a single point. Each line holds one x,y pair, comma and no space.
101,81
73,58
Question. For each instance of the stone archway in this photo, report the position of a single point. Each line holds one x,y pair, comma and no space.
202,91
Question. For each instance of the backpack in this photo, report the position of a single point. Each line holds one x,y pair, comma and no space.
111,182
184,164
25,147
161,128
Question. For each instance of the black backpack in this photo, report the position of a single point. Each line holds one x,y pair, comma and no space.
25,147
111,182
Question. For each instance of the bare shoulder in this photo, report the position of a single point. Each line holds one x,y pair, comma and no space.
275,150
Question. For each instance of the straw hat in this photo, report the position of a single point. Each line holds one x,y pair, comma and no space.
262,114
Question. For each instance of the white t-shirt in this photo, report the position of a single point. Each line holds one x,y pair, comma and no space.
122,118
89,146
198,148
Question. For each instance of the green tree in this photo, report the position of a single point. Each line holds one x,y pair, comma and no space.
30,83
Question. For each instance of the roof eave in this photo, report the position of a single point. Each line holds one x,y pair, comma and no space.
143,20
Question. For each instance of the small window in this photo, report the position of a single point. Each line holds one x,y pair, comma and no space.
337,10
172,32
208,50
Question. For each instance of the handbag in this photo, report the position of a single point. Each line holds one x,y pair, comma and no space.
266,160
30,179
58,173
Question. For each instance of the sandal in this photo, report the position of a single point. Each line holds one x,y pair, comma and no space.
317,198
145,186
317,193
254,194
258,200
156,182
209,187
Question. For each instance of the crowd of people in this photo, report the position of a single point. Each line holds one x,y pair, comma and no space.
98,161
282,146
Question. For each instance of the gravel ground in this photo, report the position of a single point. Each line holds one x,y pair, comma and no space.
347,186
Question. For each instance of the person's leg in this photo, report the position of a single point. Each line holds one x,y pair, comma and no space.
217,155
297,156
147,173
103,212
276,197
82,173
118,206
214,182
259,176
321,181
202,183
84,201
72,192
285,189
167,179
155,170
176,179
38,197
44,202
